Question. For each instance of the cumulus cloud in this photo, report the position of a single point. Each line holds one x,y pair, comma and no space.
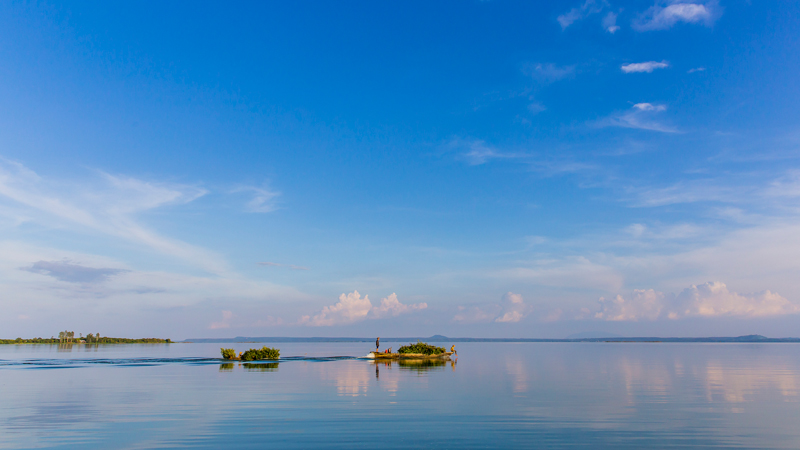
660,17
71,272
514,308
647,67
588,8
711,299
351,308
642,305
390,306
641,116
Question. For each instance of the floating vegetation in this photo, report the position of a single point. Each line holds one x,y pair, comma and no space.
421,348
259,354
254,354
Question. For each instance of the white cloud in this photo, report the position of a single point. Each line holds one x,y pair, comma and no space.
227,316
536,107
570,272
610,23
477,152
647,67
546,73
351,308
390,306
108,205
514,308
474,314
696,69
588,8
643,304
712,299
641,116
263,200
663,17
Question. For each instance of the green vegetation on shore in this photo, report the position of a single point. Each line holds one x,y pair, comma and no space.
253,354
422,348
68,337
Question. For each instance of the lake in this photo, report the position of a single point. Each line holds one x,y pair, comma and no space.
497,395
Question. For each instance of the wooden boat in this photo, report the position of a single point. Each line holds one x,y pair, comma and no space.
396,356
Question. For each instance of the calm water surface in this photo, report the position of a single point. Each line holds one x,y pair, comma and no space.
515,395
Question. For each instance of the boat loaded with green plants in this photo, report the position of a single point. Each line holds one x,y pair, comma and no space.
254,354
420,350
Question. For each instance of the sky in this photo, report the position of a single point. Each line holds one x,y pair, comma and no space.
483,169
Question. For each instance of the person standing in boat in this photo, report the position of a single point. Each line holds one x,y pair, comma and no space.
377,343
453,350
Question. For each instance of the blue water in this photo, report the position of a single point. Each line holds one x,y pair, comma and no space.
497,395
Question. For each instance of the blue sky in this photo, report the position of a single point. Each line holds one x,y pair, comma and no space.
465,168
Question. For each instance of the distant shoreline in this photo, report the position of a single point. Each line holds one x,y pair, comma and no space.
79,341
438,338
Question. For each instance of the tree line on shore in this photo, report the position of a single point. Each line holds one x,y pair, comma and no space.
68,337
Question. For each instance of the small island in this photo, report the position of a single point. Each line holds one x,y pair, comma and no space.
68,337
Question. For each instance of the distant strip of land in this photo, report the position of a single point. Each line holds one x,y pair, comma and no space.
100,340
440,338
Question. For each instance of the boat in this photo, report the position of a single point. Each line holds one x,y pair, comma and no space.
416,356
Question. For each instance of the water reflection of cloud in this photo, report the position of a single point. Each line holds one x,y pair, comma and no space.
744,384
516,369
351,378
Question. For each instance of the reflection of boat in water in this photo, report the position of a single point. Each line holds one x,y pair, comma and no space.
408,356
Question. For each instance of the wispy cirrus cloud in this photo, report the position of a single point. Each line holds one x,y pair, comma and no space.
641,116
610,22
660,17
108,204
477,152
262,201
581,12
646,67
546,73
274,264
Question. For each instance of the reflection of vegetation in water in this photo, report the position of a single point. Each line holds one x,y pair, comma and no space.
226,367
421,365
260,367
422,348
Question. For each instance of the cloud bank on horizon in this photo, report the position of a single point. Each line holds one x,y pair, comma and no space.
531,170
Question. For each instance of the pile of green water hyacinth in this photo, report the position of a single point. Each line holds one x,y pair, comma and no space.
254,354
421,347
